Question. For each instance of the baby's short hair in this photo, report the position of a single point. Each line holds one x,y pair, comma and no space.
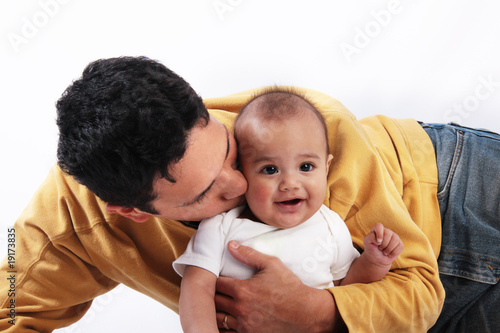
281,103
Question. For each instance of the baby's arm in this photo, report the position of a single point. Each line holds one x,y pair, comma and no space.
196,303
382,247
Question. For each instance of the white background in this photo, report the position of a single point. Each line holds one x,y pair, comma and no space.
435,61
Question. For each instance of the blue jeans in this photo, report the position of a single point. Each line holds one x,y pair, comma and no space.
468,162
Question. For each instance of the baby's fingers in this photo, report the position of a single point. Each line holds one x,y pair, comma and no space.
378,232
394,247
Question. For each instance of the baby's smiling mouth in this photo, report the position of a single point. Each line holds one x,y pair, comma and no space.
290,205
290,202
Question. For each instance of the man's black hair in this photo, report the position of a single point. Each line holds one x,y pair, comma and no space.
123,124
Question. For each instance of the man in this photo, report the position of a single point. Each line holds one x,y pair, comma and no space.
137,135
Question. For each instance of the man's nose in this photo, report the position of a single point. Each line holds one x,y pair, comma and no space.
235,184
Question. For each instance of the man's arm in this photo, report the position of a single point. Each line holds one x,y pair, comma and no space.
268,302
53,279
196,303
51,286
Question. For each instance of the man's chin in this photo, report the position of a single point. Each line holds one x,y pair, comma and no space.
200,215
232,204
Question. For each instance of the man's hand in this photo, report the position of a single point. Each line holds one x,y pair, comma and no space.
274,300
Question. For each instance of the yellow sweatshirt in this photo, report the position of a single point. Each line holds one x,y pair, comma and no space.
69,250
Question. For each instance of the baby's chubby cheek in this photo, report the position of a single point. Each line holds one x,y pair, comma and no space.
259,195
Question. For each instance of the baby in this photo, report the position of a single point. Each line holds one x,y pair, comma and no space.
284,155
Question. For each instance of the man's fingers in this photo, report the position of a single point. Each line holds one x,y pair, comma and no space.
226,322
226,285
248,256
223,302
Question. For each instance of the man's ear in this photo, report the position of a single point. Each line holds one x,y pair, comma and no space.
131,213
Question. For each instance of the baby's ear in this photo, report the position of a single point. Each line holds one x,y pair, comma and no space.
328,161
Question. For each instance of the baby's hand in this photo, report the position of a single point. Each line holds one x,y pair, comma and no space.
383,245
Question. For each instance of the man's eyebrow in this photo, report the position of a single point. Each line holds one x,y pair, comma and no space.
205,191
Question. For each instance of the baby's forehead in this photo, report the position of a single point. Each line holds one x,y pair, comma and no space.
257,130
250,126
253,133
255,120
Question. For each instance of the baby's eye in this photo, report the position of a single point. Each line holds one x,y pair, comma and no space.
306,167
269,170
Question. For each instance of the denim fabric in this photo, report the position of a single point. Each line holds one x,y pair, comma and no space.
468,162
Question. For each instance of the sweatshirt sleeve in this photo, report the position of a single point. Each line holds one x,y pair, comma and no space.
53,280
364,192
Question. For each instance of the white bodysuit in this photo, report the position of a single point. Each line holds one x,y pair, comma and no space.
319,251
